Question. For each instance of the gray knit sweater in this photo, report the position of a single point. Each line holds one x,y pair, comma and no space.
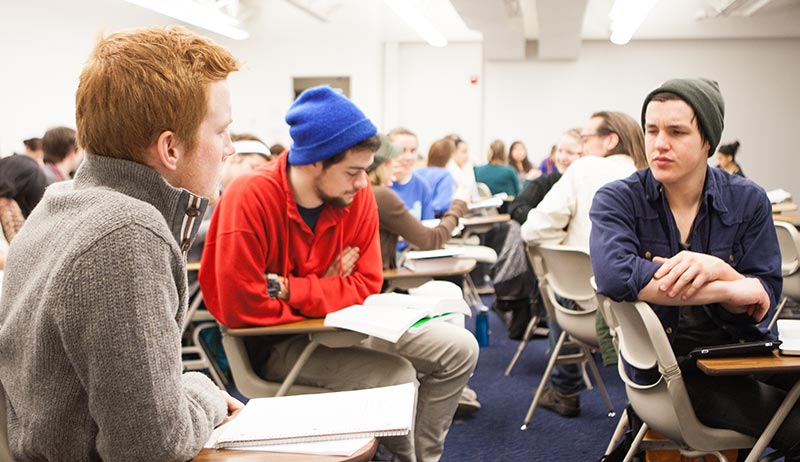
90,323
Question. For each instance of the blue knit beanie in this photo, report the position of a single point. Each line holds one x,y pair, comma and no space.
323,123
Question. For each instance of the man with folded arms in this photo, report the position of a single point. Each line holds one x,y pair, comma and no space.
95,287
308,221
699,245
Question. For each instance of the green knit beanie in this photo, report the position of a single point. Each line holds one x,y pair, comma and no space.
705,99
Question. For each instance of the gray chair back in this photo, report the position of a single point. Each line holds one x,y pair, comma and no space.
664,405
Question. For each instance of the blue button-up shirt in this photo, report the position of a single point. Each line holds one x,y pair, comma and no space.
632,223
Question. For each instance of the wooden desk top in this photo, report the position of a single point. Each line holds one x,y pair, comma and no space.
298,327
776,363
193,266
229,455
485,219
793,218
784,207
460,267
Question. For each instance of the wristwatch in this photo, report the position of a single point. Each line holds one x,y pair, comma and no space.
273,285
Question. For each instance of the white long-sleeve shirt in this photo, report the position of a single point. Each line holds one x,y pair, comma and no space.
563,215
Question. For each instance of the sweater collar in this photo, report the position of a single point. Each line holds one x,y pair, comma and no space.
182,211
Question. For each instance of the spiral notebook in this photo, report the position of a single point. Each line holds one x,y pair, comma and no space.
373,412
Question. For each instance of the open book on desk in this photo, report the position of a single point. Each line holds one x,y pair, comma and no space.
373,412
389,316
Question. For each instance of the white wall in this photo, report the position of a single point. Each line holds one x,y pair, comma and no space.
39,74
411,84
536,101
435,93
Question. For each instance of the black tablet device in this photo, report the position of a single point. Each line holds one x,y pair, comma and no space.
760,348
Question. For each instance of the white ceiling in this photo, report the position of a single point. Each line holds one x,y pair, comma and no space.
558,26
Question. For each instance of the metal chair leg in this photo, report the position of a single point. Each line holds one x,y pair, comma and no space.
618,432
636,442
545,377
600,383
522,344
301,361
778,310
211,367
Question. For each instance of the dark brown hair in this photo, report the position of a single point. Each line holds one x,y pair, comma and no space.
373,143
523,167
440,152
57,143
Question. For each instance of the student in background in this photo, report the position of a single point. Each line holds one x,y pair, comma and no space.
437,175
518,160
415,192
699,245
613,148
33,149
251,153
726,159
568,150
309,221
395,221
548,165
460,166
22,184
61,154
277,149
497,175
104,305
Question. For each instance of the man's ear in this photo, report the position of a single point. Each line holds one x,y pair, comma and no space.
612,140
168,150
706,148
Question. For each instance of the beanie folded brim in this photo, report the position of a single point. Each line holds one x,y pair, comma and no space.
703,96
333,145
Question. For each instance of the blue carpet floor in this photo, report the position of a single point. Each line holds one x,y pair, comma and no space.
493,433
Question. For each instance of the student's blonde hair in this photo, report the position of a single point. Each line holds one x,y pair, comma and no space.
142,82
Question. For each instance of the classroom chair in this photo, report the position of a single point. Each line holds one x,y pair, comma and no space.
567,271
789,242
664,406
251,385
195,356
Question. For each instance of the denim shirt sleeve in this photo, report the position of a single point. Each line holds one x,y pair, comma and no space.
620,273
760,252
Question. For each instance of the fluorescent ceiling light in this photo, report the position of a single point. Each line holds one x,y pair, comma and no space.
208,16
626,17
414,18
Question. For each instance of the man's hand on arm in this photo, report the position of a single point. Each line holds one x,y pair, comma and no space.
687,272
747,295
349,257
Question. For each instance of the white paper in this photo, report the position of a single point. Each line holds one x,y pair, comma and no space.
326,416
776,196
789,334
324,448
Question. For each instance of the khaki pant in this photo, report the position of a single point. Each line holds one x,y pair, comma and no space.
438,359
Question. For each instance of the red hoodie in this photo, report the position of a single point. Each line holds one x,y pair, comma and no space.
257,229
